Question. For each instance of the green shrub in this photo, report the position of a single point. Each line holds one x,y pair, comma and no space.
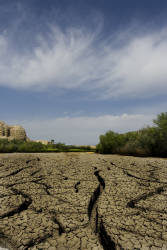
149,141
111,142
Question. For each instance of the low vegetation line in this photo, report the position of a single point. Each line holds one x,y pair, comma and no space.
21,146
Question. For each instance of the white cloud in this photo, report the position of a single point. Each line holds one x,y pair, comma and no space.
78,59
83,130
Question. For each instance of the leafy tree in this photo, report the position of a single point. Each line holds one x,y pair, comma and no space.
149,141
161,128
161,122
111,142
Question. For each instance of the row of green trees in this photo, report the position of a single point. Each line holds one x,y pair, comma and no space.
33,147
149,141
21,146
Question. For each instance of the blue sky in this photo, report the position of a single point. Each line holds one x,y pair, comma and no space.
71,70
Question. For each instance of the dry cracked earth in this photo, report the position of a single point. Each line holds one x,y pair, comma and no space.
82,201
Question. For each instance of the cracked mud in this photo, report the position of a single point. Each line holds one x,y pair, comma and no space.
82,201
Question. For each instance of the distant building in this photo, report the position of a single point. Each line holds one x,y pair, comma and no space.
12,132
45,142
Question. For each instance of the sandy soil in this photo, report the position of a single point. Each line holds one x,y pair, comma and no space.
82,201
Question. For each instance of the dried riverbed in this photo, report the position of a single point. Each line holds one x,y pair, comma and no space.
82,201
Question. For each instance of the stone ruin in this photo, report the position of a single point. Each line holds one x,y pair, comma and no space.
12,132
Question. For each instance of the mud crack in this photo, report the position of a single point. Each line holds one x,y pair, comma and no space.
133,202
93,200
105,239
24,206
15,172
36,159
46,187
37,241
76,186
94,218
100,179
56,221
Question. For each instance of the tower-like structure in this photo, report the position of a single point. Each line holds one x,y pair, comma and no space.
12,132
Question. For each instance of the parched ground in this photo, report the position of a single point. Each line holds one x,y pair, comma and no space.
82,201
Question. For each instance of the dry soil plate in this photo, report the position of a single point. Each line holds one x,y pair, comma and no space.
82,201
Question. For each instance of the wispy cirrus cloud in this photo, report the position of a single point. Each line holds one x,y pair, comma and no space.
78,58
